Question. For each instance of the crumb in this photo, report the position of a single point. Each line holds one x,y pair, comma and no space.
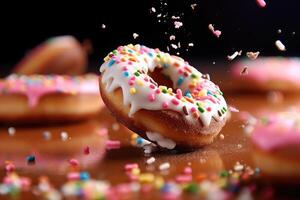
193,6
244,71
64,136
222,136
217,33
135,35
252,55
239,146
178,24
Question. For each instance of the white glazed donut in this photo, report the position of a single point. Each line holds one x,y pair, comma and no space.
189,111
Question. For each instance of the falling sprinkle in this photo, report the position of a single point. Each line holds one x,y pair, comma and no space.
86,150
234,55
222,136
252,55
280,46
150,161
261,3
193,6
191,44
279,31
47,135
233,109
178,24
113,144
217,33
64,136
244,70
164,166
174,46
172,37
115,127
135,35
11,131
103,26
30,160
153,10
238,167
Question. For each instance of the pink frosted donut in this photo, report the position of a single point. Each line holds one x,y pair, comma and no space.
58,55
276,139
268,73
36,98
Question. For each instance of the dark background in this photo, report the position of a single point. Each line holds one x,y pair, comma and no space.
244,26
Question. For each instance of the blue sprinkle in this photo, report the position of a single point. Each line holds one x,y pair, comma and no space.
30,159
139,140
150,54
111,62
165,66
166,187
130,51
209,92
188,94
84,176
126,74
180,80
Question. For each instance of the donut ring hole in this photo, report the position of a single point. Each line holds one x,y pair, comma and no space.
160,78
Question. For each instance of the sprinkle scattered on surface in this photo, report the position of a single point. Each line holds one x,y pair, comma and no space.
164,166
150,161
64,136
113,144
11,131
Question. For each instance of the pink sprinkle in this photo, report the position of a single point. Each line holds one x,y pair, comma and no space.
178,94
261,3
180,71
146,79
208,109
117,62
103,131
125,68
73,176
25,182
193,109
175,102
165,105
233,109
157,91
73,162
183,178
10,167
217,33
129,63
113,144
86,150
151,97
152,86
187,170
131,166
131,82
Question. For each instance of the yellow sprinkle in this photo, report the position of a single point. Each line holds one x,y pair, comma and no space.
159,182
136,171
132,90
170,90
146,178
130,46
106,58
202,93
139,82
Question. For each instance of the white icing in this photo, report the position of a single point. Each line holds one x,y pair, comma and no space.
160,140
146,60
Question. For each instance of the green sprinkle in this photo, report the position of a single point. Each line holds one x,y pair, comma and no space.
158,56
201,109
192,188
194,76
164,91
224,174
136,73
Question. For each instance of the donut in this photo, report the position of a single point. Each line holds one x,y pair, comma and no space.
276,142
161,97
48,98
267,74
51,151
58,55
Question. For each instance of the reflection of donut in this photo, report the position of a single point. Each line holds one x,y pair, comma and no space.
190,117
54,153
270,73
58,55
277,145
55,98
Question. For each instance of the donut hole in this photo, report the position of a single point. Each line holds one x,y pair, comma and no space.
160,78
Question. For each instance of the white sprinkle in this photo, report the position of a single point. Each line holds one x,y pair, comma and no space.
11,131
164,166
279,31
280,46
214,63
135,35
168,48
234,55
239,146
191,44
115,126
174,46
47,135
172,37
179,45
174,17
153,9
103,26
293,33
233,109
64,136
150,160
238,167
178,24
252,55
193,6
222,136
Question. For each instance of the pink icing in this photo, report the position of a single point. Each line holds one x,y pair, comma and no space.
36,86
282,131
269,69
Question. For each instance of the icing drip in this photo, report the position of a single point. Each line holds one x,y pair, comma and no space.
36,86
160,140
195,97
